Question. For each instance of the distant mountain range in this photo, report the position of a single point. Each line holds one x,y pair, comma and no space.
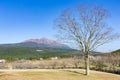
43,42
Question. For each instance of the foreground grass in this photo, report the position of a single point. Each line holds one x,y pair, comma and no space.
55,75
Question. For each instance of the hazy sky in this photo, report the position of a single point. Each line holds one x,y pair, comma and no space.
26,19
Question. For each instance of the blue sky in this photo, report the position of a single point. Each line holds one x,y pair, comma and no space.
26,19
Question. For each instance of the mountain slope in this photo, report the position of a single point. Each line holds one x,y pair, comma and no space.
43,42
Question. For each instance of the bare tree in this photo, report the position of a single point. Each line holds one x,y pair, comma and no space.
85,26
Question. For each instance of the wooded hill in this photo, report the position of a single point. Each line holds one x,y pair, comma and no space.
15,53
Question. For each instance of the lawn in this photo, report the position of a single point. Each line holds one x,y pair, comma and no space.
55,75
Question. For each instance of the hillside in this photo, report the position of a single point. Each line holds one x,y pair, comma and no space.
114,53
34,52
117,51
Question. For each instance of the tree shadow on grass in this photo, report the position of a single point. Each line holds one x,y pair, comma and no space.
76,72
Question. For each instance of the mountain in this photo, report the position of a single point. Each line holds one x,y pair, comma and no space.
35,49
43,42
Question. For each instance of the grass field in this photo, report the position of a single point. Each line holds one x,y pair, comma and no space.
45,74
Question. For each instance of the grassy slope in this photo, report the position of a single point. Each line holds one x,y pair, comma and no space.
56,75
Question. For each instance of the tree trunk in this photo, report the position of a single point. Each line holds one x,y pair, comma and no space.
87,67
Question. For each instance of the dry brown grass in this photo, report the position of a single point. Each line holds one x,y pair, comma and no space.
47,74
